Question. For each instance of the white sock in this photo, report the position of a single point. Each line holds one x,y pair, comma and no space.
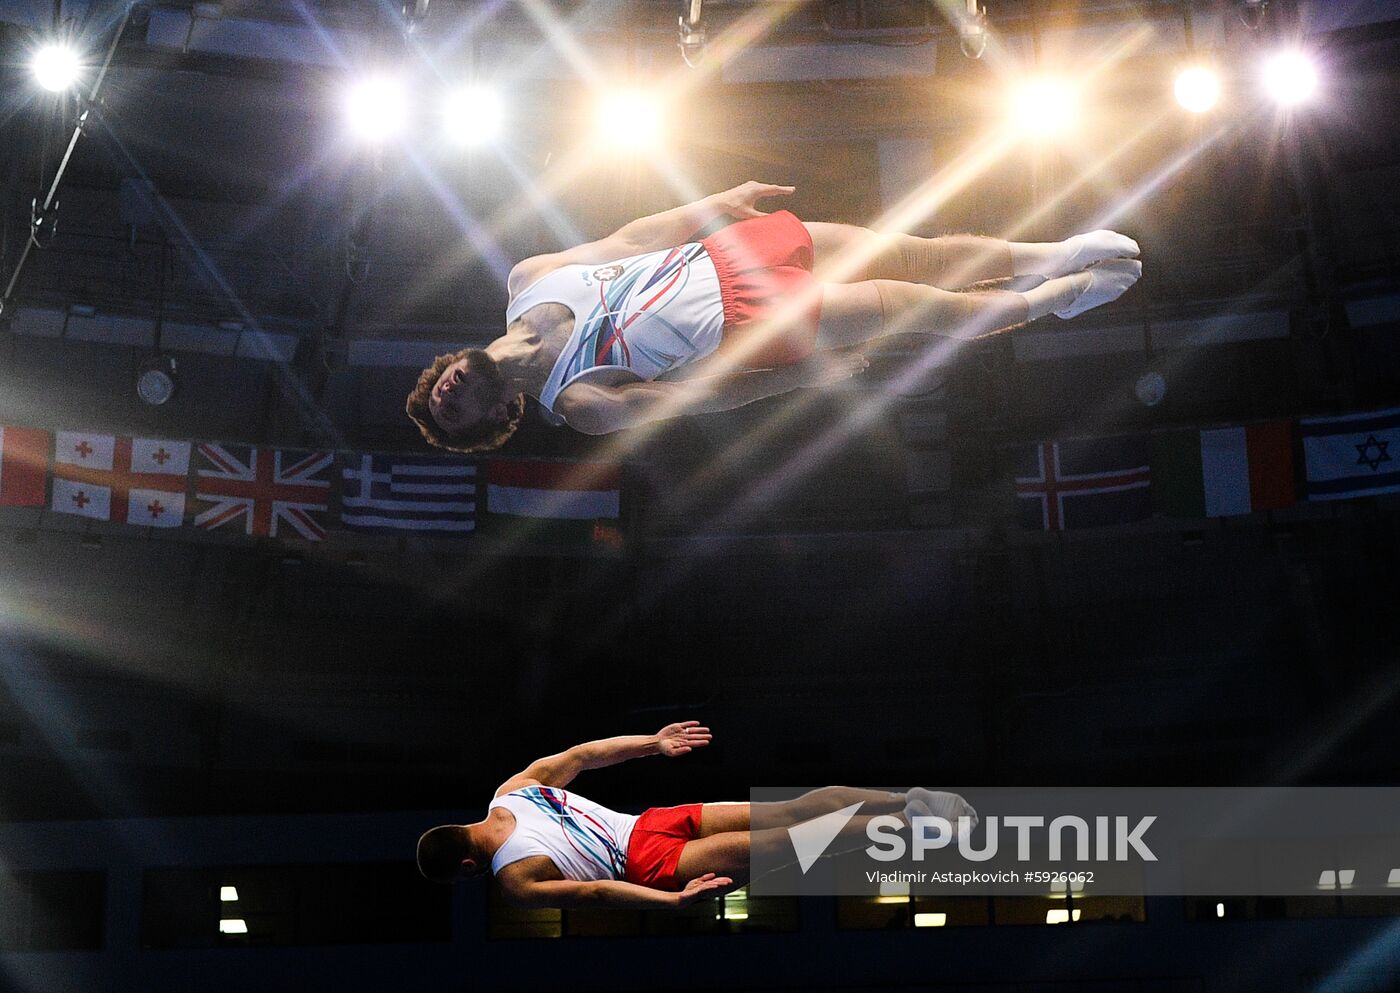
920,802
1107,281
1071,255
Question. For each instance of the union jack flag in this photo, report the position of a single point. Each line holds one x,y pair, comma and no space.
263,488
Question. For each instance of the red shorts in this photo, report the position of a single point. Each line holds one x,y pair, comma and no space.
772,302
655,849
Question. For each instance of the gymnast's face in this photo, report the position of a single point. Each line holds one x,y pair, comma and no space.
469,391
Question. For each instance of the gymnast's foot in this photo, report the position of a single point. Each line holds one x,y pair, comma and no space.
1075,254
1107,281
920,802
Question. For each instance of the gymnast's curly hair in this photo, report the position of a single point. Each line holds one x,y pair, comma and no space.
482,437
440,852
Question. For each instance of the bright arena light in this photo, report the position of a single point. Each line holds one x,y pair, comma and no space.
1290,77
376,108
1044,107
56,67
473,115
1197,89
629,120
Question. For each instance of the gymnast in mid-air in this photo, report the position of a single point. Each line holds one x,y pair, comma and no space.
549,847
763,306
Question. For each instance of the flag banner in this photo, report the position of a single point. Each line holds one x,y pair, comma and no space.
555,490
1086,482
24,466
1223,471
420,493
561,503
269,492
1352,455
138,481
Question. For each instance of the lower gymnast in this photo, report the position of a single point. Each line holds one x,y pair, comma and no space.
549,847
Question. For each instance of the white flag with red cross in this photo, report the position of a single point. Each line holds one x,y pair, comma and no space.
126,480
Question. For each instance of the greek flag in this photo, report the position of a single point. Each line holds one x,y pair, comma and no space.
387,493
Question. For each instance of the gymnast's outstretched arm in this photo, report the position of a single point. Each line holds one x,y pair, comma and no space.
560,769
594,409
526,890
672,227
651,233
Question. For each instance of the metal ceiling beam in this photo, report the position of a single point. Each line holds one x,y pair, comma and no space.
41,215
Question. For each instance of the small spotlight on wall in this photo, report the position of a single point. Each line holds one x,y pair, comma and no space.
233,925
1252,13
1044,107
56,67
1290,77
1151,389
472,115
691,32
155,380
228,894
376,108
629,120
1197,89
972,30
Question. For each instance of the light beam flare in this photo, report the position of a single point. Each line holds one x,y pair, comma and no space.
1290,77
56,67
1197,89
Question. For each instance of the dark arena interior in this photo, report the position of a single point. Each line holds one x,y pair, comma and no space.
257,636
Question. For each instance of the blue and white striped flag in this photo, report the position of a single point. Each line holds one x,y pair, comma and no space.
1352,455
421,493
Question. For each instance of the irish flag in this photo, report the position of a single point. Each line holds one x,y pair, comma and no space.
1223,471
554,501
24,466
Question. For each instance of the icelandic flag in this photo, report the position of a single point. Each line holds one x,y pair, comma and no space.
1352,455
1084,482
421,493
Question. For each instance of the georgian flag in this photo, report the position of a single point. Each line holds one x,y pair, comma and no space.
137,481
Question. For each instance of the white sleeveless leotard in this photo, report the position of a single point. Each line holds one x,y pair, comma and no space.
585,841
647,314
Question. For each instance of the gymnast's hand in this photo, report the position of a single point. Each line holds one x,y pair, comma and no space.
739,202
701,887
828,368
682,738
